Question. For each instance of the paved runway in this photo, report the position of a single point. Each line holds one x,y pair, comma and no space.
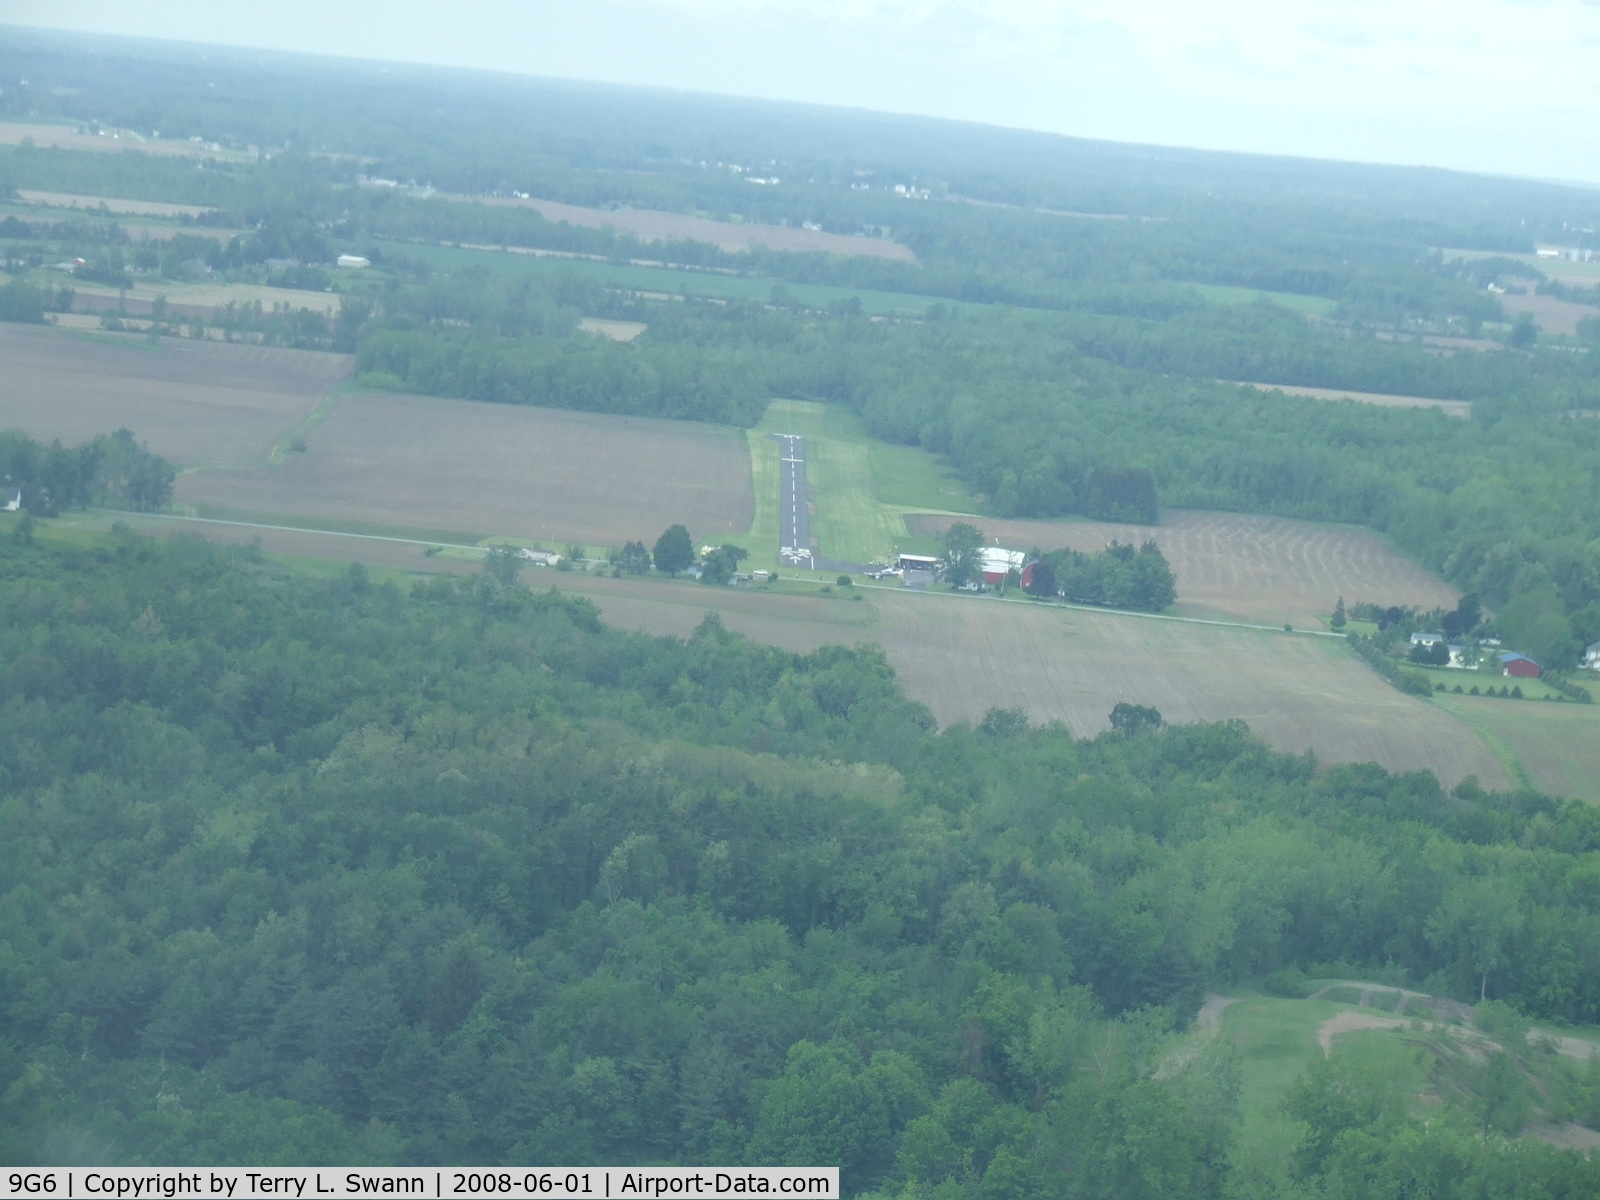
794,515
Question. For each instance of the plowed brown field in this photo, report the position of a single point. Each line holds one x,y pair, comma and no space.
1262,569
651,225
198,403
380,459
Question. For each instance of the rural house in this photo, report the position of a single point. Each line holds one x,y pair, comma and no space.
1591,657
1426,639
1519,665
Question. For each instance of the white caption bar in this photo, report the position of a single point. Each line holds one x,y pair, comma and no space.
436,1183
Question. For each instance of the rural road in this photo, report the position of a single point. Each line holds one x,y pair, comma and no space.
794,517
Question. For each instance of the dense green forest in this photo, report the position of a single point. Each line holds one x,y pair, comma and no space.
328,870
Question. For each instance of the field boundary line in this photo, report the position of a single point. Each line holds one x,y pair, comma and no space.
1095,608
368,537
309,422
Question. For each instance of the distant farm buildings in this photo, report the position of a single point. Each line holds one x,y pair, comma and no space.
352,262
999,562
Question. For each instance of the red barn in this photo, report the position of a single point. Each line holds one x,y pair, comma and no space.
1519,665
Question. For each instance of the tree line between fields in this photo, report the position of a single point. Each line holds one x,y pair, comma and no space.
307,869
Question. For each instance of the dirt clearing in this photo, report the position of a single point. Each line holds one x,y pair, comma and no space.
197,403
385,460
649,225
1454,408
617,331
1268,570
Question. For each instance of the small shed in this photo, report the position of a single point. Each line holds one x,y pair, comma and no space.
1519,665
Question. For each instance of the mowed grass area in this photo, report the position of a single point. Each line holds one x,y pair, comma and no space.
201,404
1555,747
1276,1040
857,512
380,461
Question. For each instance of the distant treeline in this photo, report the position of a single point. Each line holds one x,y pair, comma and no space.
110,469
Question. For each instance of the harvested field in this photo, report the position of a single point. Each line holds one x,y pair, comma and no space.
651,225
1549,314
1454,408
1299,693
67,137
198,403
1251,568
133,208
212,296
383,460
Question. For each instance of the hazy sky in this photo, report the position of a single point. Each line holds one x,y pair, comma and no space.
1507,86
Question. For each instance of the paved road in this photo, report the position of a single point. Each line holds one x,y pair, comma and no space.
794,515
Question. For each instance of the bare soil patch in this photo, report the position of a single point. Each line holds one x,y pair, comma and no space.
617,331
1269,570
420,461
1454,408
198,403
651,225
135,208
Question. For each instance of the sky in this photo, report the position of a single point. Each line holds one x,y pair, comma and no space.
1507,87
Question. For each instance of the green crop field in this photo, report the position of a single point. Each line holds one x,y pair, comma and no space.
1220,293
667,280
